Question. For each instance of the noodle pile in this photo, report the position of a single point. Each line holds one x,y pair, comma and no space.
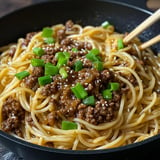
138,116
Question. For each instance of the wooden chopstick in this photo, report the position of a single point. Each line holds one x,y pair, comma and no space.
150,42
140,28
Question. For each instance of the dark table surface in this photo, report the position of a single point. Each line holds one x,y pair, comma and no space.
7,6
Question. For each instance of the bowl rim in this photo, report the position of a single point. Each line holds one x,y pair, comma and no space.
149,12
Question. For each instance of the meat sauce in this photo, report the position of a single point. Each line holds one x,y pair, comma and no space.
66,103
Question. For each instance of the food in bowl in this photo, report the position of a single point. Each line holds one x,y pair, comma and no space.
79,88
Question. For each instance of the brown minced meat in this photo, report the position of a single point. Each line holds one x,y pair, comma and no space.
93,81
66,104
32,80
13,116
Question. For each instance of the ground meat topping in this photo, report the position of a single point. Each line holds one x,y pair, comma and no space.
102,112
49,89
32,80
93,80
106,75
69,24
61,34
28,38
50,49
49,59
38,71
13,116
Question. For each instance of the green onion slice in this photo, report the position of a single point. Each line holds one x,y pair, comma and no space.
61,61
49,40
92,57
113,86
22,75
62,54
107,94
74,50
78,65
67,125
67,55
63,72
62,58
38,51
79,91
120,44
50,69
59,54
47,32
44,80
95,51
98,65
37,62
105,24
89,101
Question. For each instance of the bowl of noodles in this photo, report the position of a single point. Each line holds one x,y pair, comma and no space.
71,89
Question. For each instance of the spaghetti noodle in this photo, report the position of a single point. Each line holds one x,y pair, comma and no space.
79,88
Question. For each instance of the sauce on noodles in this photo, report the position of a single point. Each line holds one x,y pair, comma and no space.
79,88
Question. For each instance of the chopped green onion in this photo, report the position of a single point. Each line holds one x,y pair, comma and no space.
79,91
113,86
98,65
63,73
74,50
50,69
44,80
107,94
37,62
89,101
92,57
62,58
59,54
120,44
38,51
61,61
47,32
78,66
99,58
67,125
62,54
95,51
49,40
22,75
67,55
105,24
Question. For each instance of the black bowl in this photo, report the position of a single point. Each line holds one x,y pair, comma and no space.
33,18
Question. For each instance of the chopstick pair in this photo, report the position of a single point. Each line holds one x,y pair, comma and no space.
145,24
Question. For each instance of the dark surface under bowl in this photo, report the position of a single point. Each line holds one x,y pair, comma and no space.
34,18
